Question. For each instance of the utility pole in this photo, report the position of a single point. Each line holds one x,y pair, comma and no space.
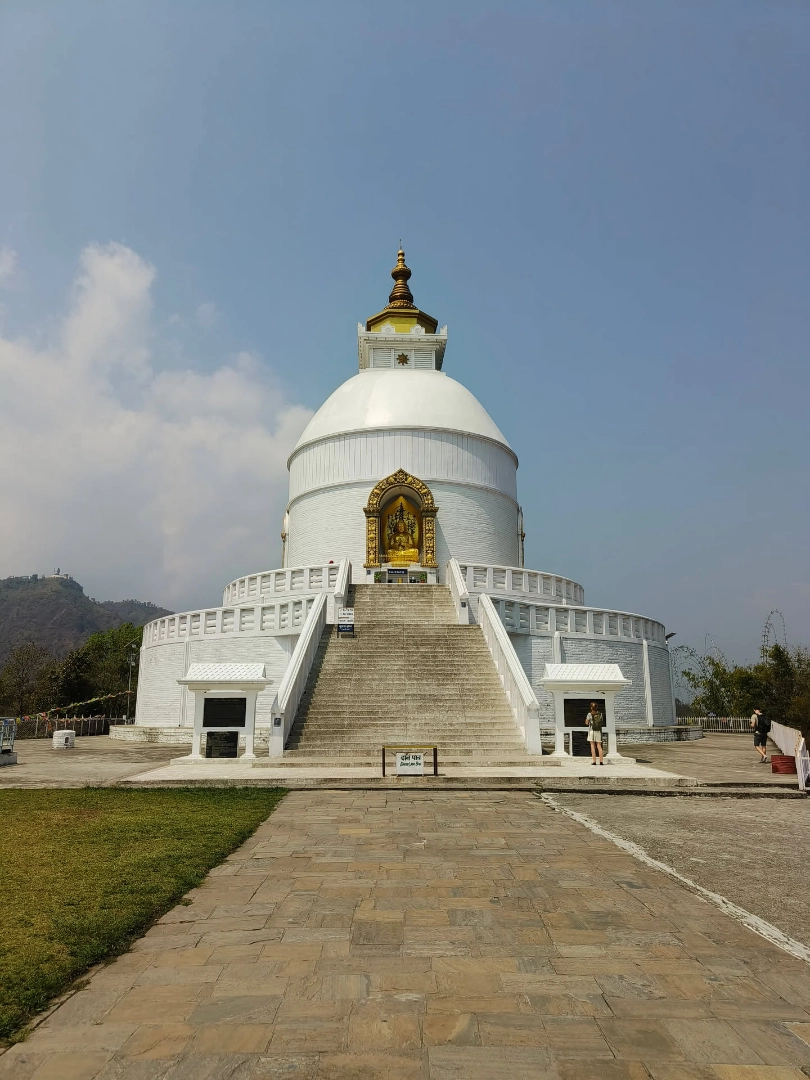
131,660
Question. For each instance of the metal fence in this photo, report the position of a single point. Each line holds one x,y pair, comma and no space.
38,727
734,724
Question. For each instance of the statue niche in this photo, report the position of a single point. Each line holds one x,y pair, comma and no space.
401,533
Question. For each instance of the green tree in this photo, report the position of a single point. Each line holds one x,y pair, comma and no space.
106,657
21,674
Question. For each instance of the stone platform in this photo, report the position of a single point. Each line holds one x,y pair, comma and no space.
438,936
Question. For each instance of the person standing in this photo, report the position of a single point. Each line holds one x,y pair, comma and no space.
761,727
595,721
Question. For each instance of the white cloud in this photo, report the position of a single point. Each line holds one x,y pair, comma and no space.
139,481
8,263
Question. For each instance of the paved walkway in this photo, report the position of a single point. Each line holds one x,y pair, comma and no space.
552,771
447,936
95,760
714,759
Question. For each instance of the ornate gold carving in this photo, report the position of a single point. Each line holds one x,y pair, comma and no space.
372,539
429,533
402,358
400,478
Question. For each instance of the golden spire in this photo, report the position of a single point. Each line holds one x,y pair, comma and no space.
400,311
401,295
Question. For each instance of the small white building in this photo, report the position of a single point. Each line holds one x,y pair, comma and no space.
400,471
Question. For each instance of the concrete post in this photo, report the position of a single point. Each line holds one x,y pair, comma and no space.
196,738
275,746
559,726
250,723
613,754
648,704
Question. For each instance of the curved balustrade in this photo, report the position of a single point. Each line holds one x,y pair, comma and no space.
515,579
281,617
282,613
524,618
296,579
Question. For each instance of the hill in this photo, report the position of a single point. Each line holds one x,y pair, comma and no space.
55,613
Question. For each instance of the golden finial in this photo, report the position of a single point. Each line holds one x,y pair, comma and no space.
401,295
400,312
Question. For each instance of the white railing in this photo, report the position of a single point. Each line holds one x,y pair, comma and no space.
273,618
296,579
790,741
525,618
295,677
269,615
342,582
525,707
459,591
515,579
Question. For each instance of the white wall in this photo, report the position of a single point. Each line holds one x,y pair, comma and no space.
370,456
473,524
162,703
535,651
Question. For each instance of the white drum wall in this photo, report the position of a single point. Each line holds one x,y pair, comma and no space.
473,524
370,456
473,481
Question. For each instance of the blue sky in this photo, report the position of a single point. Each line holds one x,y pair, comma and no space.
606,202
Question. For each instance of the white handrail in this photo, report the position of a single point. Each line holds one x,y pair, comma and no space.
459,592
790,741
525,707
294,680
342,583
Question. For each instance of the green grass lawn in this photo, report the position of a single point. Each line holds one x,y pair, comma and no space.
84,872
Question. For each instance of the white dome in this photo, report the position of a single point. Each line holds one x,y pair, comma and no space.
401,399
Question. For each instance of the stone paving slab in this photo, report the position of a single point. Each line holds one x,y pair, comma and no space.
717,758
96,761
446,936
553,775
750,852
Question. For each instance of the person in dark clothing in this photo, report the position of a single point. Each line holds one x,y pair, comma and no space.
761,726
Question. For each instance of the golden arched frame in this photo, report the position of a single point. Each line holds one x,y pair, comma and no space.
400,479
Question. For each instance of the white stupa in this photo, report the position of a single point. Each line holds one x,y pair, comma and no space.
401,476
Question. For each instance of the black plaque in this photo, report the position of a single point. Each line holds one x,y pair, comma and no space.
576,709
222,744
224,712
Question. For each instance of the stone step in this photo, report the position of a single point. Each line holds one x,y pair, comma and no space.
411,674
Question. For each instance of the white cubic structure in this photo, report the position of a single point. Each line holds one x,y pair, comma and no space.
401,475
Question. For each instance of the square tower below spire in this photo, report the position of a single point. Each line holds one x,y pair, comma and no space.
388,340
411,350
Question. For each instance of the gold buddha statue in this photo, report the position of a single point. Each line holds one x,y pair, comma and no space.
401,550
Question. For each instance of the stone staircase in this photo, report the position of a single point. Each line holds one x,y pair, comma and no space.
410,676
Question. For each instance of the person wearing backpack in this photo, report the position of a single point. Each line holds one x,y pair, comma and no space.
595,721
761,726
